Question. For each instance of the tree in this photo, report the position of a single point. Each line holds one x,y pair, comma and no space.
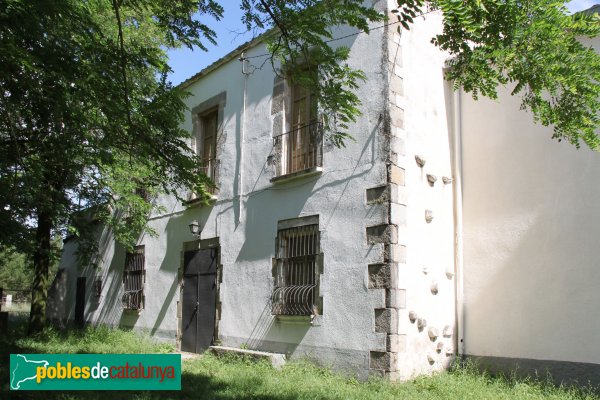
90,128
16,269
534,46
84,120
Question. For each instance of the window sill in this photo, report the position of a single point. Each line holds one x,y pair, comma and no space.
297,175
199,202
137,311
295,319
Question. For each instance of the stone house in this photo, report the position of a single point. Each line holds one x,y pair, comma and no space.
447,227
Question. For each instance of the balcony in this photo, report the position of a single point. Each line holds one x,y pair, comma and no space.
210,168
298,152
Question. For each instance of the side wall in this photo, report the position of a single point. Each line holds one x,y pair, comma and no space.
531,238
423,207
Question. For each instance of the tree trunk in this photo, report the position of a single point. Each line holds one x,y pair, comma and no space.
41,263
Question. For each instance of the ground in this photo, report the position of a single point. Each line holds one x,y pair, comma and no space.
208,377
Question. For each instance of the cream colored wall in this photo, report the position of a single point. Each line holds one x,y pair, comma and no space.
428,274
531,237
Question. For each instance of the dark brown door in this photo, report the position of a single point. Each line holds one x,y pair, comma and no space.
199,299
80,302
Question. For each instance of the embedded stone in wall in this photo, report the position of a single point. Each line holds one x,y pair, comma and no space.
433,334
431,179
420,161
397,116
434,287
428,216
395,298
448,331
395,343
396,175
382,276
412,316
394,52
430,359
397,84
397,194
398,214
384,361
446,180
387,233
439,347
378,195
386,320
394,253
398,145
421,323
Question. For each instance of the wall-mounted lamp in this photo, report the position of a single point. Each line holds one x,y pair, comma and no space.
195,228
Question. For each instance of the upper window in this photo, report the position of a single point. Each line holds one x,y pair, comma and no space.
301,148
207,123
134,277
207,145
296,271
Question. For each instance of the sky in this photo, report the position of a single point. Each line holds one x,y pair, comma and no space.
230,35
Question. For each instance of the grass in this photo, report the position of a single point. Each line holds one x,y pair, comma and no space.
102,340
232,377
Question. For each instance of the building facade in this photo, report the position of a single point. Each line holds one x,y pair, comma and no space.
355,257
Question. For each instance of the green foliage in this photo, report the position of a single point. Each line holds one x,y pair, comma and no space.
533,47
87,123
100,340
234,377
84,120
16,269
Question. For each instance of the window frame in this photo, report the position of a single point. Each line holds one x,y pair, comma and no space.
296,272
210,166
134,289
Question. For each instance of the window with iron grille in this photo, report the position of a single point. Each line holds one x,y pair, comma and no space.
98,286
296,271
134,277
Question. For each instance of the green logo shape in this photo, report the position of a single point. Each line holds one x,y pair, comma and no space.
95,372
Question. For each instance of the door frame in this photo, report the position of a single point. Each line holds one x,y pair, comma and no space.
202,244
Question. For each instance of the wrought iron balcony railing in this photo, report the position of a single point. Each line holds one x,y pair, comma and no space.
210,167
299,149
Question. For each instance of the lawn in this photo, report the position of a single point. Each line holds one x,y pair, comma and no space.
208,377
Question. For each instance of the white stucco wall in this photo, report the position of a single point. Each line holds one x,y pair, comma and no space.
531,237
246,225
429,245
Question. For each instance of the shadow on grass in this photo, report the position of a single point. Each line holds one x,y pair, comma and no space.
193,386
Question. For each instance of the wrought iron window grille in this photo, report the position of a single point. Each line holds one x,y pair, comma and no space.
134,277
296,271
